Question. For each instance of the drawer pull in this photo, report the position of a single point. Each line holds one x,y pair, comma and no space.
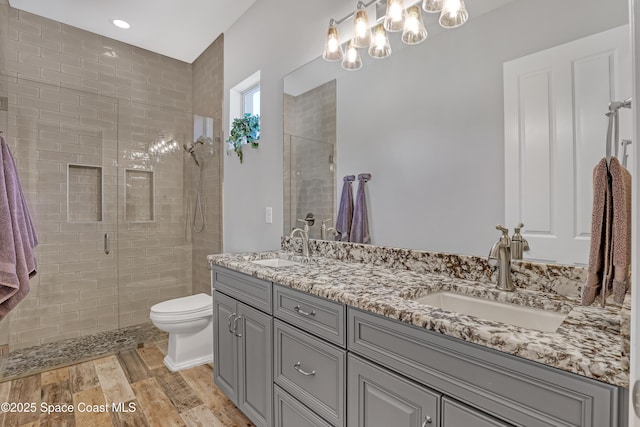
297,368
298,310
427,420
231,331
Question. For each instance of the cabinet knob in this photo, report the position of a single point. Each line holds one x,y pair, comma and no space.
298,310
427,420
297,368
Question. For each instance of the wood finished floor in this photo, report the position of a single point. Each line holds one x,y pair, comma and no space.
138,378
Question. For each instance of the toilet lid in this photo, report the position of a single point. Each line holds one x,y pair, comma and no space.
184,305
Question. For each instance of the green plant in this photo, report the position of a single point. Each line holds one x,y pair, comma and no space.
244,130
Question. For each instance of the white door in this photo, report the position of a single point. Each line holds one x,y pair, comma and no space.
555,131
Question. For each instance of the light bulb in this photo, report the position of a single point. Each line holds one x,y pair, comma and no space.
332,49
394,18
454,13
380,47
352,60
361,31
432,6
414,31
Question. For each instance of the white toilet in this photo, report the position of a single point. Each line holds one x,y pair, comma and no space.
189,322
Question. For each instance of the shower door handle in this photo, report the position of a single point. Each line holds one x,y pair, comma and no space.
107,244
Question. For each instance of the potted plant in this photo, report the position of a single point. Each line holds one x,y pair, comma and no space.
244,130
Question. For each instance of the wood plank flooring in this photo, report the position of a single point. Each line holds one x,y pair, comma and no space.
145,392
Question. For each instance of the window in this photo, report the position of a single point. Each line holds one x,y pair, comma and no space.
251,100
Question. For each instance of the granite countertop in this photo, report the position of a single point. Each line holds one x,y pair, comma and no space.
588,342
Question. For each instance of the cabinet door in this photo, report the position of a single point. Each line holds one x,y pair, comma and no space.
455,414
225,348
255,368
380,398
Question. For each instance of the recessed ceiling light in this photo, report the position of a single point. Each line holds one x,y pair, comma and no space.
121,24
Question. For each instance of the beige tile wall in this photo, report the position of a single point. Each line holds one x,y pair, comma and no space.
208,89
76,97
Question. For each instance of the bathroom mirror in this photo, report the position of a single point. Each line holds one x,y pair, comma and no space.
428,123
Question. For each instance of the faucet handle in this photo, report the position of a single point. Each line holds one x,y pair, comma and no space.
517,228
505,231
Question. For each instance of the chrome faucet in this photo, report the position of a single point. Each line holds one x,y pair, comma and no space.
304,233
501,251
324,230
518,243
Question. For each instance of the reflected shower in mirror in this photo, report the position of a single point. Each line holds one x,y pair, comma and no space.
309,157
431,124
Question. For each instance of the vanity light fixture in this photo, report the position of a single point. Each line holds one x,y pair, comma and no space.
332,48
394,18
352,60
414,31
121,24
454,13
432,6
361,28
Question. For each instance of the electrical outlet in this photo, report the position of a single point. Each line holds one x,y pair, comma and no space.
268,214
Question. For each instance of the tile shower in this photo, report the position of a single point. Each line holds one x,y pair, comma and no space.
82,112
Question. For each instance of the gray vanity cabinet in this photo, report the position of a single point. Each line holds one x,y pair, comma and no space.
380,398
243,349
509,388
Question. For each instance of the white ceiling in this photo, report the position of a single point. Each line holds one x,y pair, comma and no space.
176,28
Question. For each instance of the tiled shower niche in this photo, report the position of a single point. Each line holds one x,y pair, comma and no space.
84,198
139,197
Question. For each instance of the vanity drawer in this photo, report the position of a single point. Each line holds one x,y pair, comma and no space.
289,412
310,370
311,313
244,288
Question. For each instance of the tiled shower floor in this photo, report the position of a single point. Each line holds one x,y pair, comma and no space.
28,361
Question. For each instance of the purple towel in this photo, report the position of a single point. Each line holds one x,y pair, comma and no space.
17,236
345,211
360,226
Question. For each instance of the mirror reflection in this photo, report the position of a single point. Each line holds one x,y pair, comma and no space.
499,121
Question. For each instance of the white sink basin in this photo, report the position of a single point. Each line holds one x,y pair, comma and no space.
275,262
517,315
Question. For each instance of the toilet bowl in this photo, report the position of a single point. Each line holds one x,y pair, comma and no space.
189,322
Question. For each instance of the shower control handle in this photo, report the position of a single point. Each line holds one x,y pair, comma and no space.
107,244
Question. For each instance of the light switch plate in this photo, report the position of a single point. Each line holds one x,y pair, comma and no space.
268,215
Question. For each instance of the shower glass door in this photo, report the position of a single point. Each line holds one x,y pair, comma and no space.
65,143
153,242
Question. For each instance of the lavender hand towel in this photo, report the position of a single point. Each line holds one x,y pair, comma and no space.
360,226
621,229
345,210
17,236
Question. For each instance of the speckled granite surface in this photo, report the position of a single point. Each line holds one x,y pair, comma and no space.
40,358
383,281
